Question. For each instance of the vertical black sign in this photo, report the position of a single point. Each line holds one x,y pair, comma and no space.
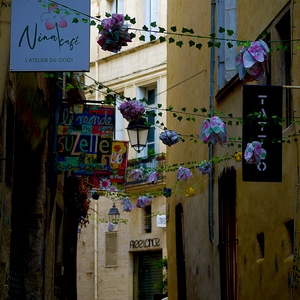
262,113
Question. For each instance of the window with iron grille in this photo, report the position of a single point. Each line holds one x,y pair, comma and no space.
147,219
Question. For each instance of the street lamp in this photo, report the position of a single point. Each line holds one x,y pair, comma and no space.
113,214
138,133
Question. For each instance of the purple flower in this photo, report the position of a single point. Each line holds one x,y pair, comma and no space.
184,174
114,33
132,110
205,167
143,201
153,178
127,204
111,226
169,137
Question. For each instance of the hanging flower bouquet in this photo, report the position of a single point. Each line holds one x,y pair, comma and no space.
184,174
111,226
132,110
137,174
205,167
190,192
238,156
153,177
143,201
167,192
169,137
254,153
127,204
213,131
114,33
251,63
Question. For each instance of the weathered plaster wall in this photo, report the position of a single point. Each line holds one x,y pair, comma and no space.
263,207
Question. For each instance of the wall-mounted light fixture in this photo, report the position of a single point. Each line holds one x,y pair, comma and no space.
113,214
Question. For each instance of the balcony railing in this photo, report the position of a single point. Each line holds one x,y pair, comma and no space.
147,165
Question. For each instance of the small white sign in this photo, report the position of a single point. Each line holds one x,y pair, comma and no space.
161,221
44,36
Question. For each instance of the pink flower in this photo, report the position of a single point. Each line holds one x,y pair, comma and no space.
254,153
251,63
213,131
114,33
53,17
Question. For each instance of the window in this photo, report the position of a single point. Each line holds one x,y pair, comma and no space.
150,94
111,249
116,6
260,246
289,242
151,15
226,18
147,219
279,65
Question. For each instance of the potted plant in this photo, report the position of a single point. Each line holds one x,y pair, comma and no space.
161,156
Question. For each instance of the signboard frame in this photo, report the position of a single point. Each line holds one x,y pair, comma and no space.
49,39
262,116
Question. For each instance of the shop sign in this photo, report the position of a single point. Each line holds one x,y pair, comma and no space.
161,221
146,243
45,37
262,113
85,146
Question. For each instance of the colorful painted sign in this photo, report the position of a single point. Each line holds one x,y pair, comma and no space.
46,37
85,146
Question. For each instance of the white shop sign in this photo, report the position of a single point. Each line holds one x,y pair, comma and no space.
161,221
45,38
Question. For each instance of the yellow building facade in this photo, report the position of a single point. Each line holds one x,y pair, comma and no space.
234,239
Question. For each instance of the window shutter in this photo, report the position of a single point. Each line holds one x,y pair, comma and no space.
111,249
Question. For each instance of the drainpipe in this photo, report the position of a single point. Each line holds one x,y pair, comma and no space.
5,43
96,249
212,82
3,158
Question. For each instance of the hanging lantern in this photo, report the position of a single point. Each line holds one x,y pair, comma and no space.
113,214
138,133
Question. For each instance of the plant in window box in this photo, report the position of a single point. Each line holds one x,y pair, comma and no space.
151,153
161,156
